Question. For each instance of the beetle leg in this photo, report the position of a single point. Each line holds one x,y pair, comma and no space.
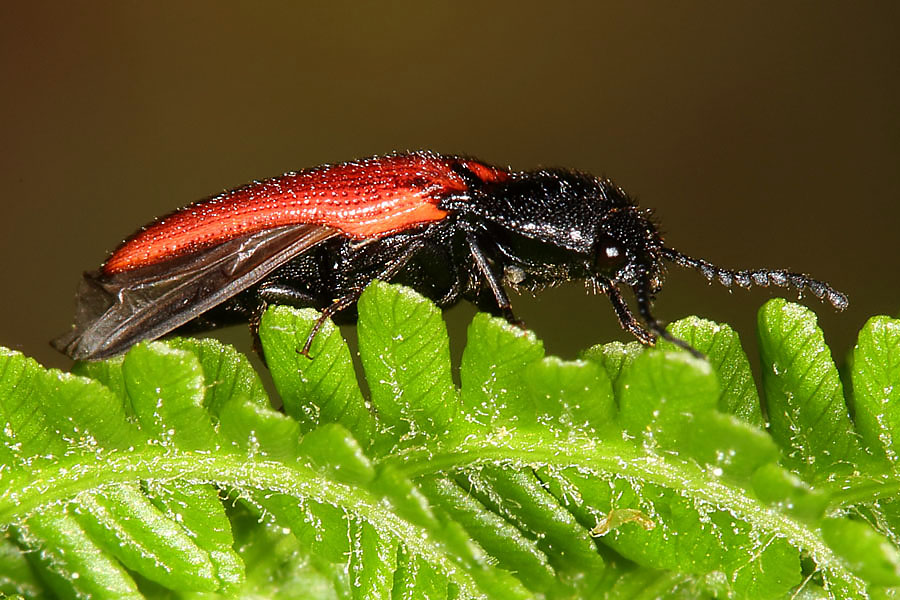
626,318
500,297
392,268
328,312
643,302
274,293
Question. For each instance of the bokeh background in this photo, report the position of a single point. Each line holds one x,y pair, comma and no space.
764,133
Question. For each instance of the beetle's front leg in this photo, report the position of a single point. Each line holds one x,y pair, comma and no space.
626,318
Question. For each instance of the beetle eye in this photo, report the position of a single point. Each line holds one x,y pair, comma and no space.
611,252
609,255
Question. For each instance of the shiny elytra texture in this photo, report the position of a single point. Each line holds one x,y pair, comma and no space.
365,199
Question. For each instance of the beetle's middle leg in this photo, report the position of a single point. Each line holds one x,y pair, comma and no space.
391,268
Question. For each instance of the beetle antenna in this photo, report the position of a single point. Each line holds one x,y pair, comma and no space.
759,277
642,295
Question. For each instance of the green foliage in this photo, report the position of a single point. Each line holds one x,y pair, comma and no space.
631,473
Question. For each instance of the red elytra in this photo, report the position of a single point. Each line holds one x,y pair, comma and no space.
365,199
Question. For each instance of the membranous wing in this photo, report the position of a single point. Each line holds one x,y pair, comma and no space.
117,310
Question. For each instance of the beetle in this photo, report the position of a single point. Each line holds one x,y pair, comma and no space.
450,227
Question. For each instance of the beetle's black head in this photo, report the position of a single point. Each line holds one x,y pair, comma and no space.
557,225
628,250
627,244
551,226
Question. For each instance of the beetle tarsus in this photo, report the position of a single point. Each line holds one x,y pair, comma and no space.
305,350
510,318
643,297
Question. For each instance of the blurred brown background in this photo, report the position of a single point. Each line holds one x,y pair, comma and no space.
763,133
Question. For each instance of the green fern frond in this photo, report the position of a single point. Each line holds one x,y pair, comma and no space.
631,473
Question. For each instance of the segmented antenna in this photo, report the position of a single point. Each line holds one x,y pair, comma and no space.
759,277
